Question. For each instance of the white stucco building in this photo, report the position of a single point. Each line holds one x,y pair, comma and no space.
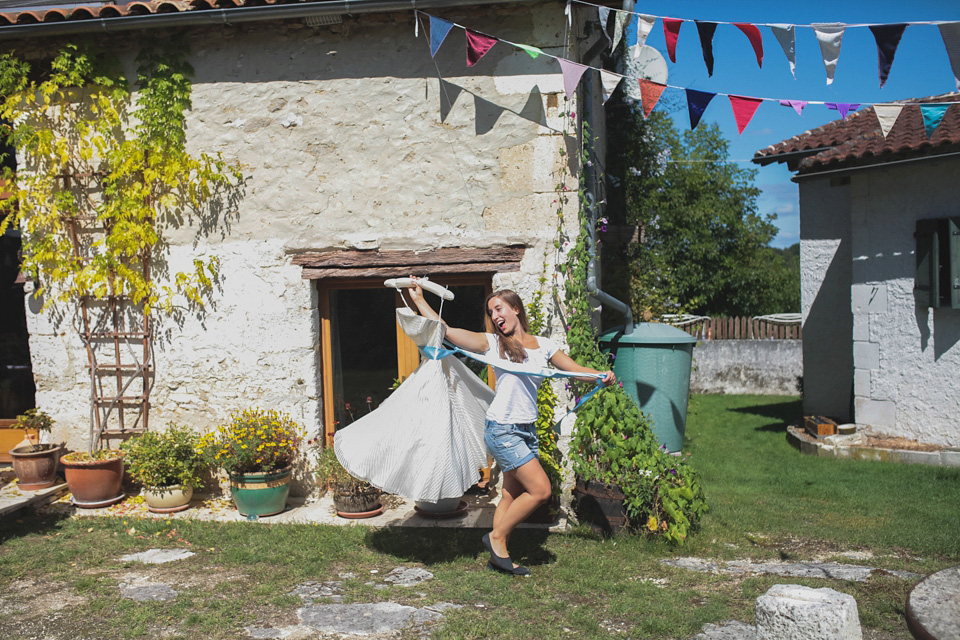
880,290
364,158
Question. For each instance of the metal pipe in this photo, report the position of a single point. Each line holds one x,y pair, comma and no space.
593,209
235,15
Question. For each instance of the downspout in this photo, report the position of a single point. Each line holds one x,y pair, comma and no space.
231,16
594,208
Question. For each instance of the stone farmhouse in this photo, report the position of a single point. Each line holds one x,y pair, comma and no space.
880,269
364,158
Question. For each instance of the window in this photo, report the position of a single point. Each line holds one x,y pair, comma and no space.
937,281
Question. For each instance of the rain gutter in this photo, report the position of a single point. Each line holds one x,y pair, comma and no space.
594,208
233,16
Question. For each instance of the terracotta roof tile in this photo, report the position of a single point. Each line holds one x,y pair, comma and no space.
859,141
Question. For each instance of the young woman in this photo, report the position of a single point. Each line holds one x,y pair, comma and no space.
510,434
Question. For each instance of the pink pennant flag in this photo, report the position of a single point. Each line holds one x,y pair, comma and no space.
797,105
477,46
753,34
887,115
650,92
572,72
843,107
743,110
671,31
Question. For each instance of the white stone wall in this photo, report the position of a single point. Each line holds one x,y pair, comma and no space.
906,357
348,141
825,299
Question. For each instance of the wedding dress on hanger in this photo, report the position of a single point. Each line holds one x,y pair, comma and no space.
425,441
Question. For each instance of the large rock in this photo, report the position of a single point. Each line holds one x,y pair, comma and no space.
793,612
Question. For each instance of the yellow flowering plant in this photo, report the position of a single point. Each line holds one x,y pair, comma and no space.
255,440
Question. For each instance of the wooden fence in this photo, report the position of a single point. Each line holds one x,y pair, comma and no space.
728,328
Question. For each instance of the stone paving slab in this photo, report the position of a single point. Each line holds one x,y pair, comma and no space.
933,607
12,499
830,570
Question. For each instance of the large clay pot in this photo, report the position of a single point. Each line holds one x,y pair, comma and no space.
94,483
35,469
260,494
167,499
600,505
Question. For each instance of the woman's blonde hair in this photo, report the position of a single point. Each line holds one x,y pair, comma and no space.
510,348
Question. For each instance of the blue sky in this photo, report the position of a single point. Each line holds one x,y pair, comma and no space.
920,68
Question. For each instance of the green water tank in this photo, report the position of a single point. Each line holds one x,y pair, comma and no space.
653,362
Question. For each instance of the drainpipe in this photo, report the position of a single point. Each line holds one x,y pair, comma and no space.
230,16
594,208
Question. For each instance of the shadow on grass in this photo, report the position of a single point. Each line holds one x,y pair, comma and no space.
784,413
437,546
19,525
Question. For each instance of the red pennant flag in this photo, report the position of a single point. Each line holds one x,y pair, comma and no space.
477,46
650,91
743,110
671,31
753,34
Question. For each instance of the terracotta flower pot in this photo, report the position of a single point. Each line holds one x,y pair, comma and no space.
35,469
600,505
94,483
352,503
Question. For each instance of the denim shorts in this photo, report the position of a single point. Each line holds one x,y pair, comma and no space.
511,445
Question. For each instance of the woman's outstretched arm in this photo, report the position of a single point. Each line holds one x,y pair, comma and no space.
562,361
463,338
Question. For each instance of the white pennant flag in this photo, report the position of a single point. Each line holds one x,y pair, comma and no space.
887,114
609,81
618,26
830,37
644,26
788,42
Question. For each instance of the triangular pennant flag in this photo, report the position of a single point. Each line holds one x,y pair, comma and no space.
477,46
843,107
572,72
650,92
932,115
448,97
887,114
697,102
533,52
784,33
950,32
888,38
753,35
706,31
644,26
439,29
618,26
830,37
743,110
609,81
671,31
797,105
603,13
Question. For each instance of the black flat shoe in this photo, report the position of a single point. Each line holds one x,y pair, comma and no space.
501,563
516,571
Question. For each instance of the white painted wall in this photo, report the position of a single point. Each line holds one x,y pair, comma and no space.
904,358
340,134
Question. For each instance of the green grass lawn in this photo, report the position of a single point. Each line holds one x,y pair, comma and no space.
767,502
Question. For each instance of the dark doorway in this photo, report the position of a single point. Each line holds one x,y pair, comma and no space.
17,390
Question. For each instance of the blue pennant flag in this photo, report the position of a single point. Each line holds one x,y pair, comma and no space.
932,115
439,29
697,102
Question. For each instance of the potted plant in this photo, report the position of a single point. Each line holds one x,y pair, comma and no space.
256,450
352,498
35,464
95,477
168,464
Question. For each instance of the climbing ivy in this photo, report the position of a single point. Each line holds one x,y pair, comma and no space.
93,152
613,442
551,458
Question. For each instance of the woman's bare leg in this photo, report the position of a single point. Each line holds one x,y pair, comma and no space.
524,489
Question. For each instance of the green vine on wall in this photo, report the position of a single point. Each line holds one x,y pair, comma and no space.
92,151
613,442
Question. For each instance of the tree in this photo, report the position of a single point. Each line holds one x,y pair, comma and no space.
701,246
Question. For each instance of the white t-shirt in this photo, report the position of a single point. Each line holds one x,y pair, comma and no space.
515,401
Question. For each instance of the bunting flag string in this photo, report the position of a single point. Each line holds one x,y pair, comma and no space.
888,39
706,31
756,40
744,107
830,37
671,31
786,36
950,33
